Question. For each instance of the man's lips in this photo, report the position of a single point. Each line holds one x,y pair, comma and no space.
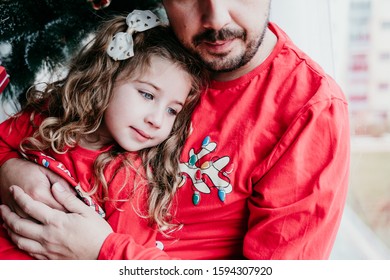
218,46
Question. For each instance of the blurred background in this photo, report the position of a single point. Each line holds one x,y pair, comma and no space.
350,39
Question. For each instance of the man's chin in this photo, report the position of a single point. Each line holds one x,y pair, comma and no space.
219,66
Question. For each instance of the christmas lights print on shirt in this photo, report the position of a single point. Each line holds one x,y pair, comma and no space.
207,174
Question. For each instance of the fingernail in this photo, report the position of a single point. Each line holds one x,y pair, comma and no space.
58,187
11,189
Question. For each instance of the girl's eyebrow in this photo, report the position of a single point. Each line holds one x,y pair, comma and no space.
179,103
158,89
150,84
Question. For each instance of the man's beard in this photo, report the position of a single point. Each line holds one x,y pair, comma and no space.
221,62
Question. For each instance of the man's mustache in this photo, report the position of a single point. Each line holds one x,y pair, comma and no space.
211,35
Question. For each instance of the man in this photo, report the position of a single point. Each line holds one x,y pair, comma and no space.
266,166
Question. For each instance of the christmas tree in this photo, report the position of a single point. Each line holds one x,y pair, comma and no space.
44,33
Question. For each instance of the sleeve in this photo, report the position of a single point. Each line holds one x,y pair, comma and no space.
119,246
297,204
12,131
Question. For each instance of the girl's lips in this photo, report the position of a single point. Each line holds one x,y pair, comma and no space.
141,135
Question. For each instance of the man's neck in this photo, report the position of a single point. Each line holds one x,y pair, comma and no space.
263,52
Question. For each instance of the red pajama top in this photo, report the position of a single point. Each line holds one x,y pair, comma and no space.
265,170
122,211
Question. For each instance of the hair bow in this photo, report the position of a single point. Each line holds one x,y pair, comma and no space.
121,45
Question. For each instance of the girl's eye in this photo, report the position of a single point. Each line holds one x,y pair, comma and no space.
147,95
172,112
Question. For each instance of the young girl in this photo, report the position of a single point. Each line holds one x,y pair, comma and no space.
115,125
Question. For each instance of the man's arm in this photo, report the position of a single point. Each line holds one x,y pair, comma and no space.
80,234
33,179
49,238
298,201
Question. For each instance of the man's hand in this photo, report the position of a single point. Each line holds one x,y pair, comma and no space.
35,181
78,234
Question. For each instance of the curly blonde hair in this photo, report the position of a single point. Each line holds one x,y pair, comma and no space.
74,108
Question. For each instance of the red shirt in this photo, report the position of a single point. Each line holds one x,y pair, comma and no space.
266,168
124,209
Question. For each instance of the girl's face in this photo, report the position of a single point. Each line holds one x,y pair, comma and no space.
141,112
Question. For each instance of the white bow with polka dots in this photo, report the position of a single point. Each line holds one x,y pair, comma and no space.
121,45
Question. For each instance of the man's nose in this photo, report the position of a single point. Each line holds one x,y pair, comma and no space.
215,13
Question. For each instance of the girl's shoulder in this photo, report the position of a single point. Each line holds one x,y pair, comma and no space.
23,120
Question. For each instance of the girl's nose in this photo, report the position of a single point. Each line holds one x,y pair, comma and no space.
155,118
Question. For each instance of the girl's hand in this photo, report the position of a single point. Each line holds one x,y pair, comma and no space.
56,235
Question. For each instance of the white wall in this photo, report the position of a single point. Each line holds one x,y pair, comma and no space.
307,22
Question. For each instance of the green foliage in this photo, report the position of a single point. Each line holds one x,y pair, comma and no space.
44,33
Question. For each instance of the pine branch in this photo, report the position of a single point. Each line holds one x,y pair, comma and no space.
45,33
